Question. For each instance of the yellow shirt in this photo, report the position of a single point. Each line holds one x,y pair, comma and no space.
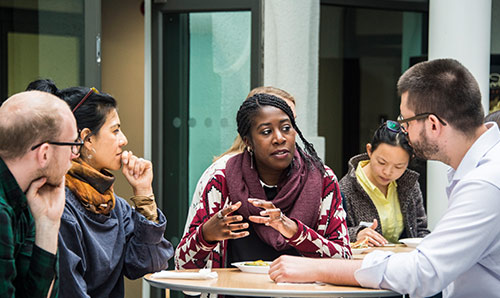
389,211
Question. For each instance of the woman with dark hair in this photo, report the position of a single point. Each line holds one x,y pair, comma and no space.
382,196
237,147
102,238
272,199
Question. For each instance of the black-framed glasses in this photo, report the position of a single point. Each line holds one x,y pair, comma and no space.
75,146
94,90
406,121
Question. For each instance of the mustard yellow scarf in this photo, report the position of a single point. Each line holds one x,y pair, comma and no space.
94,189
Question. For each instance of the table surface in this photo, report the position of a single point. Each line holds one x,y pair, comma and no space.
397,249
232,281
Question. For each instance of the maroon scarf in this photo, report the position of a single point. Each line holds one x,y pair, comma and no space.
299,194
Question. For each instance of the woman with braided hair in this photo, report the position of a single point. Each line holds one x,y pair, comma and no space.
272,199
237,147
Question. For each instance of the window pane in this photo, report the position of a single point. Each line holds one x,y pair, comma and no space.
219,80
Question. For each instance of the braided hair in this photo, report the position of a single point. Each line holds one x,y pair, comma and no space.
250,107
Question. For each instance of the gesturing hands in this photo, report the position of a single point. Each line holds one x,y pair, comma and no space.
138,172
374,238
221,226
274,218
46,203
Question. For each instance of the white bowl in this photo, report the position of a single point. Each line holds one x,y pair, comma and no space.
411,242
252,269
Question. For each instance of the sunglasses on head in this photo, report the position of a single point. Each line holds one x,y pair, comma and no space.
393,126
92,90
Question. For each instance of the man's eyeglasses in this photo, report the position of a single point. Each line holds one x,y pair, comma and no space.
402,121
75,146
85,98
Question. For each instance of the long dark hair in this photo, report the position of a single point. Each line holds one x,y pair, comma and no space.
250,107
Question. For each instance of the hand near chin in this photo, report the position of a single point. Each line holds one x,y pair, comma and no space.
138,172
46,203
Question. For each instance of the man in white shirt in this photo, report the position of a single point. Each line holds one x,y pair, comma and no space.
442,114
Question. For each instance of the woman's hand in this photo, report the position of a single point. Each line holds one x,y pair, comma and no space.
273,217
138,172
374,238
221,226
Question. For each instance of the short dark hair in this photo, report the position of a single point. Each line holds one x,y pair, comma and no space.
45,85
493,117
444,87
91,114
252,105
384,135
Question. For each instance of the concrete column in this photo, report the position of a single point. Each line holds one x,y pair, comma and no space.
458,29
291,46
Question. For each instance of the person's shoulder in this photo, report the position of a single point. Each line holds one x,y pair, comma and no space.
408,179
329,174
6,210
218,166
486,171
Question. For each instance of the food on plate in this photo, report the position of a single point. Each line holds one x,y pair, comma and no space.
257,263
360,244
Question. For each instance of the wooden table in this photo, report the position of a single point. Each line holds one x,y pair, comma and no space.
232,281
397,249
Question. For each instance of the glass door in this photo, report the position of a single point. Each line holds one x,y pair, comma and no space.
206,58
364,48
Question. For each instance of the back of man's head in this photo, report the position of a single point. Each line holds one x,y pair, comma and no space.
446,88
28,118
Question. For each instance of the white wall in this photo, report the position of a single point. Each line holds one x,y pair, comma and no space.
291,45
455,25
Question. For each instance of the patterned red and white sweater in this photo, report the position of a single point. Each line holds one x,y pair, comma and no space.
329,239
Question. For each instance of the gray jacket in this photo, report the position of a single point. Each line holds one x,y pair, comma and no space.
359,206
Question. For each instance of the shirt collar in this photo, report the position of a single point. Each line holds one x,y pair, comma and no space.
480,148
13,193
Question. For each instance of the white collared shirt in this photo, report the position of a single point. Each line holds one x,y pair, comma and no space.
462,255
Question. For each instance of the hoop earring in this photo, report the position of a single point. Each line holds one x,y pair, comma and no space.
251,156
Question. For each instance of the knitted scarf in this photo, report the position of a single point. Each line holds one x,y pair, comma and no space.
299,194
94,189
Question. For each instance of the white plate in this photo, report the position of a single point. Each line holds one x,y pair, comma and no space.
411,242
252,269
358,251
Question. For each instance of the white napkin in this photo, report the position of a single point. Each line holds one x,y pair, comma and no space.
202,274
